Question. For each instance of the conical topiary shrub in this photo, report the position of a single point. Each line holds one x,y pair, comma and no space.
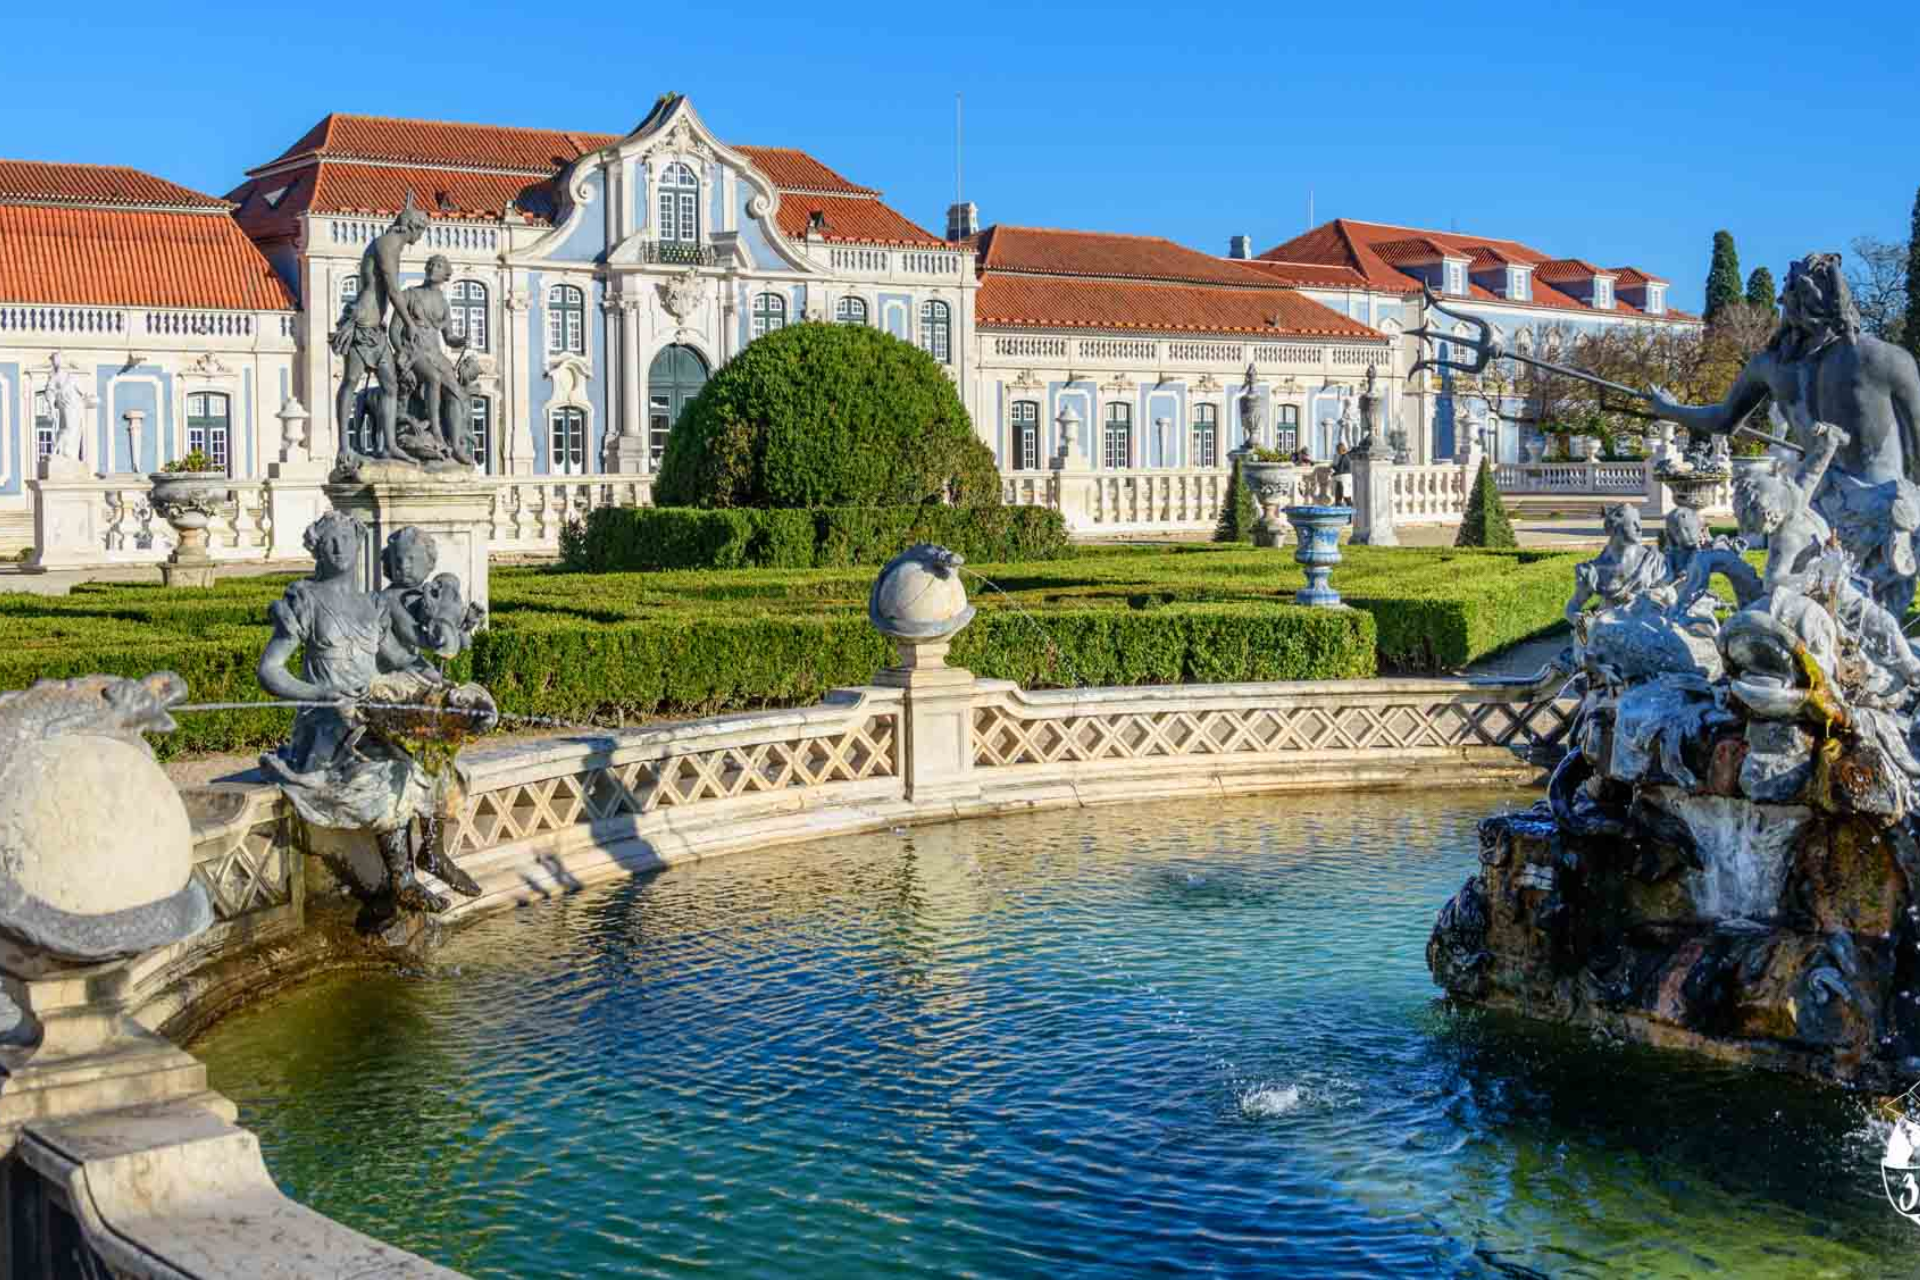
1238,512
1485,524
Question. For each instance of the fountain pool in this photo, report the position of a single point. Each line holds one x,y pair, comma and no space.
1092,1043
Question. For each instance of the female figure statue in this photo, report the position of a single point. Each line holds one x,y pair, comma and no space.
342,769
1624,570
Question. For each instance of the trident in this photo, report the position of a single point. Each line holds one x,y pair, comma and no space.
1486,349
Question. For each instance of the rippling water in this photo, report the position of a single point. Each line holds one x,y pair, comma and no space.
1178,1039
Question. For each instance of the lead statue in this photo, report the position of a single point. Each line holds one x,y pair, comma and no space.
361,337
1820,368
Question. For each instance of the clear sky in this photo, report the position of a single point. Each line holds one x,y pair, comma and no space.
1623,134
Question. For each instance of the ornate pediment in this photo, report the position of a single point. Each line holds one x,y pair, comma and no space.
1025,381
208,366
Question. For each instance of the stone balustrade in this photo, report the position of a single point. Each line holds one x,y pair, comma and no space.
1107,352
1625,479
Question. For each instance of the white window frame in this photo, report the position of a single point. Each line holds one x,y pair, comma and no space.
44,427
480,430
467,309
679,204
211,434
1286,429
850,310
769,313
1206,436
566,319
567,440
1602,294
1116,436
936,330
1025,417
1520,284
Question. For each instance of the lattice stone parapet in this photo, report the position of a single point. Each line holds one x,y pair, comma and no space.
1015,727
668,769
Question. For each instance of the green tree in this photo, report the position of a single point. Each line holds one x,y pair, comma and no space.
1723,277
819,415
1485,523
1910,337
1762,293
1238,511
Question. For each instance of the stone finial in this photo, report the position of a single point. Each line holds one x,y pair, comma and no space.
293,430
918,597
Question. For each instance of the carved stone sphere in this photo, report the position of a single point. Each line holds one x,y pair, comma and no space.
919,596
96,851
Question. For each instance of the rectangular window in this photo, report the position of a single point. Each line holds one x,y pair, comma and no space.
689,216
43,426
569,453
1026,435
556,330
1118,452
208,426
1205,436
1287,433
482,420
659,426
1517,284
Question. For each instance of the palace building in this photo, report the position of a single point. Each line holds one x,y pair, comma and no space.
601,277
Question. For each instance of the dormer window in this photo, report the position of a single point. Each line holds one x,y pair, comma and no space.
1656,300
1602,294
1519,284
1456,278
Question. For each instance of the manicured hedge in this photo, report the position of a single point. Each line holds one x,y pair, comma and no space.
629,539
823,415
701,642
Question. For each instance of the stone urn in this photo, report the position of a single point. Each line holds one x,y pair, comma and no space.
1318,531
188,501
1271,484
1694,478
919,603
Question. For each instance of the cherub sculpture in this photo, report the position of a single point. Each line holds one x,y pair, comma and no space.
369,702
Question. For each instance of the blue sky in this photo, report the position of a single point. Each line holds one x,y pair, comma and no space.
1624,134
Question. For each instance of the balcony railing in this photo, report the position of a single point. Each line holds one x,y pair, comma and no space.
677,253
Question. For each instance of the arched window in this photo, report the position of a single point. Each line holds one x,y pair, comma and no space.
674,378
467,309
1206,436
1286,437
568,454
566,320
850,311
936,331
679,205
481,409
209,426
769,313
43,426
1118,452
1026,435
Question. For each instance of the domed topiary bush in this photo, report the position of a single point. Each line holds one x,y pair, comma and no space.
818,415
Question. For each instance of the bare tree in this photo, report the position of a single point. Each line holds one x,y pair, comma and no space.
1877,274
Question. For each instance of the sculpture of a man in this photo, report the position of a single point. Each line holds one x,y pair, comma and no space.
362,338
421,320
1820,368
67,400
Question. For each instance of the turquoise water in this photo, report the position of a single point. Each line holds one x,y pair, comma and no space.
1141,1039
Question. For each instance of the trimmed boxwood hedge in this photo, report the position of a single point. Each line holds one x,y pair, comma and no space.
822,415
575,645
628,539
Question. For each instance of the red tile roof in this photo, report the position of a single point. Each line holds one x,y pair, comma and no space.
1358,246
493,146
1307,275
1032,301
856,219
1632,277
1567,269
129,257
792,170
39,182
1048,251
367,164
1415,249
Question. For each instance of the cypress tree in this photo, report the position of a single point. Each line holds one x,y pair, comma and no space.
1761,292
1238,511
1485,523
1911,337
1723,278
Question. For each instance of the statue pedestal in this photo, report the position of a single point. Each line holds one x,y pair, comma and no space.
627,456
69,518
452,507
1373,501
296,497
937,738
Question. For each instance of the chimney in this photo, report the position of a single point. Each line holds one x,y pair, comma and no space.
963,220
1240,246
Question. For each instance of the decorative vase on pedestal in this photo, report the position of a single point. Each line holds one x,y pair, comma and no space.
188,501
1318,529
1270,483
1694,479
